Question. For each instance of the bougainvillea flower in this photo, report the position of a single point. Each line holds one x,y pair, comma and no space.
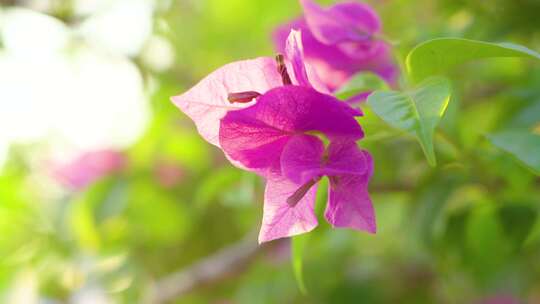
340,41
255,136
88,167
290,194
209,100
272,138
255,110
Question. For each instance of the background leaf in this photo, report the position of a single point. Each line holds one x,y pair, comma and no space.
522,144
417,111
485,234
435,56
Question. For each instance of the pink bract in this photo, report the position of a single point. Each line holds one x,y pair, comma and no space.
290,194
255,136
206,103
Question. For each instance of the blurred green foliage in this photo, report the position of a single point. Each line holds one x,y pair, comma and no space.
455,233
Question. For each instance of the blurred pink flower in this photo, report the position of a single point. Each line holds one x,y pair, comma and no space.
168,174
88,167
340,41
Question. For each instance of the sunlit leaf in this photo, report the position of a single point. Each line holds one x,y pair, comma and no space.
433,57
522,144
416,111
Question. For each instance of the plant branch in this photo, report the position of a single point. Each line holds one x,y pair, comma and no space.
225,262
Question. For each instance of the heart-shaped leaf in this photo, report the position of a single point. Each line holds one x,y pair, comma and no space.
417,111
435,56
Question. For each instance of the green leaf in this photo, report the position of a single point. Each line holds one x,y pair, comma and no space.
533,239
417,111
431,204
212,186
436,56
487,246
522,144
517,221
359,83
298,244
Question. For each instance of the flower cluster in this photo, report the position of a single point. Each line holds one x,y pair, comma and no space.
276,117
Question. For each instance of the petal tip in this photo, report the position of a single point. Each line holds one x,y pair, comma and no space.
173,99
371,229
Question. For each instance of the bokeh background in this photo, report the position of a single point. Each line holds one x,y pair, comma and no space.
85,84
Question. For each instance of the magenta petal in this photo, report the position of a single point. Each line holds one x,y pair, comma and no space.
382,63
301,159
332,63
255,136
344,157
315,80
281,219
302,73
340,23
349,204
366,50
206,103
320,57
360,15
336,62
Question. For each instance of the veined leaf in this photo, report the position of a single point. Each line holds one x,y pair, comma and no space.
522,144
433,57
417,111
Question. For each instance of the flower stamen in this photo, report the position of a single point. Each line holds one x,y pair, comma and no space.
242,97
301,192
282,70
